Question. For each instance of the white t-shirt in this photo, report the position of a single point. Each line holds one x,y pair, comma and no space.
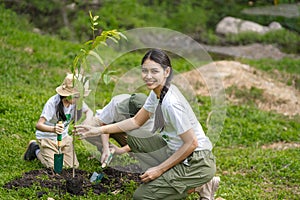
109,114
49,113
179,118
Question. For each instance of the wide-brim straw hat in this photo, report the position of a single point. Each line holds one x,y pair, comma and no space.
68,87
132,104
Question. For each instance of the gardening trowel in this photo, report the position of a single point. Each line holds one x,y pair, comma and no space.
108,160
58,158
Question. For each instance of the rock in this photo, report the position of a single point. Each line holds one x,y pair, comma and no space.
275,26
228,25
37,30
248,26
231,25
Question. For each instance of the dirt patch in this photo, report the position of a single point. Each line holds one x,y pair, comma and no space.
113,181
281,146
251,51
272,95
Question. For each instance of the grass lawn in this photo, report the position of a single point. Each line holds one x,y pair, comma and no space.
32,66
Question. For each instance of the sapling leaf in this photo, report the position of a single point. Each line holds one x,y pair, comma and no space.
88,42
113,39
72,69
90,13
93,53
111,72
122,35
106,79
95,18
103,43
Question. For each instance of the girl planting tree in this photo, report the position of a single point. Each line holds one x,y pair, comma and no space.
59,107
188,160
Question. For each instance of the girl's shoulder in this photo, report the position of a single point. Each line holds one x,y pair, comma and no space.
174,94
54,99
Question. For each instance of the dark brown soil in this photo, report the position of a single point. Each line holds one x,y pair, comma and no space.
113,180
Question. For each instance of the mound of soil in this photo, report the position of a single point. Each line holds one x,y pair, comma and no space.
273,94
112,181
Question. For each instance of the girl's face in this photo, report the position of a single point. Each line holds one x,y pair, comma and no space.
154,75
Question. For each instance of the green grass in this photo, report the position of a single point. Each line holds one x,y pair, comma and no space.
254,173
247,170
289,69
287,41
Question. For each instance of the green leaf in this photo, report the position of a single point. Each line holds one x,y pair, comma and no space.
122,35
88,42
95,18
106,79
83,50
111,72
104,43
90,13
113,39
93,53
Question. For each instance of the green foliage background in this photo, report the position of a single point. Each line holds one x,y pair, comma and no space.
192,17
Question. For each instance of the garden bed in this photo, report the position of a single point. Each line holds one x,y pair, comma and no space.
113,181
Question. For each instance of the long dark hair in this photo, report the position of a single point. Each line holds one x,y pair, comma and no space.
163,59
60,114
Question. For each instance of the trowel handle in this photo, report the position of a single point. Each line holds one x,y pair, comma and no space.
59,141
59,136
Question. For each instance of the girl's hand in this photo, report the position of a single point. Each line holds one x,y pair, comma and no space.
108,158
104,155
85,131
151,174
59,128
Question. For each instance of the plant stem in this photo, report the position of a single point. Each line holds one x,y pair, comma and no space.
73,142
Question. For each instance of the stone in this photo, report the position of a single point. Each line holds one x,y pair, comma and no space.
231,25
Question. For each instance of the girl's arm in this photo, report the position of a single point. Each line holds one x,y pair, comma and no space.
105,147
190,143
47,128
135,122
121,150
